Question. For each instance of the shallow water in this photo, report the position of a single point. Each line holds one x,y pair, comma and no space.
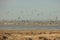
29,27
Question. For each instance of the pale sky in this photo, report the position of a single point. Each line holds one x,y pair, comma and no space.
29,9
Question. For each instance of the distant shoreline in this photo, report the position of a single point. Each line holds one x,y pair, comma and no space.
40,23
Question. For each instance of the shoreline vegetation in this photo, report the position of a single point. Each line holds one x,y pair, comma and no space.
31,23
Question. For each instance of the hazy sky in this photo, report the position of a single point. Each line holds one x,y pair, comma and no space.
29,9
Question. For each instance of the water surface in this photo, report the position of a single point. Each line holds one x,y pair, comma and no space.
13,27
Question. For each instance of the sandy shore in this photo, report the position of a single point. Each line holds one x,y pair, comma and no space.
29,34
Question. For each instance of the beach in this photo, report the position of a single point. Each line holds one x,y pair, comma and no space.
29,34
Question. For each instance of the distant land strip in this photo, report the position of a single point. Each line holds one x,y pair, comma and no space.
31,23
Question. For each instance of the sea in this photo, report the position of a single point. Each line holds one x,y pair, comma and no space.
14,27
